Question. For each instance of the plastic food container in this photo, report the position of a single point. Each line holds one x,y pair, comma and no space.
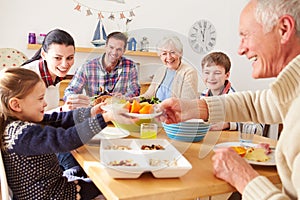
130,158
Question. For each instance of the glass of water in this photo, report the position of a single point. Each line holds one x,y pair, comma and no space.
246,131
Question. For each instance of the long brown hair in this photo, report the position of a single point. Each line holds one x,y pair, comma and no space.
14,82
55,36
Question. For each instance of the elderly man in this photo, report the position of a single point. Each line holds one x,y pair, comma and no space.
111,71
270,39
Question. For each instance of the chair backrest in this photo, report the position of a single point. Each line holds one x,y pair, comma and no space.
6,193
11,57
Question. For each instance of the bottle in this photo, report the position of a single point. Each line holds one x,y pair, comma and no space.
41,38
31,38
145,44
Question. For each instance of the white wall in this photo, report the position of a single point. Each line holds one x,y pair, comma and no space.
154,19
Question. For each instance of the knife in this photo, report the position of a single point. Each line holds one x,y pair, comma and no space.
208,143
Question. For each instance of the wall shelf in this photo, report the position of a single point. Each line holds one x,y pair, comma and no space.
100,50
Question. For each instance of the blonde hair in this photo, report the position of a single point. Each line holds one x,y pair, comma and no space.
14,82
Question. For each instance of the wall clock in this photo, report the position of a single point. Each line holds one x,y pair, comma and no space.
202,36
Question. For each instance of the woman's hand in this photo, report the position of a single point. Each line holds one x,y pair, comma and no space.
75,101
116,114
231,167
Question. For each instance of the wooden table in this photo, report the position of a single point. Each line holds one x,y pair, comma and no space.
198,182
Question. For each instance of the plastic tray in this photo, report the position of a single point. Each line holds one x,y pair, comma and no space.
164,163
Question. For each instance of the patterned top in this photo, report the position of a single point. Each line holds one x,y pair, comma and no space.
30,161
90,76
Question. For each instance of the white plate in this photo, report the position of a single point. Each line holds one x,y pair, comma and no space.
143,116
112,133
194,121
270,162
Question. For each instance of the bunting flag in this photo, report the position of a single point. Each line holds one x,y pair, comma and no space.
101,14
88,12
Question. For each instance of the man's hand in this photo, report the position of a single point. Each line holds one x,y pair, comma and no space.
178,110
231,167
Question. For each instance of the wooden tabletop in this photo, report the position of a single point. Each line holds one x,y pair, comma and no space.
198,182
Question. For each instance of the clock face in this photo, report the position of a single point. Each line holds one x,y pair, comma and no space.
202,36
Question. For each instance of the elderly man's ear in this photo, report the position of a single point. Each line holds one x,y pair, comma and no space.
286,27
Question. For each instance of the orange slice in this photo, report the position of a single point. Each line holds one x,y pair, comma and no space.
240,150
135,107
127,106
146,109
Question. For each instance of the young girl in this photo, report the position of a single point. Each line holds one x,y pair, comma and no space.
30,138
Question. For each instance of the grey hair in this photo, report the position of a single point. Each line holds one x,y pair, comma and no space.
170,40
269,11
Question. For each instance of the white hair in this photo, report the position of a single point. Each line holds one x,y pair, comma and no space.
170,41
269,11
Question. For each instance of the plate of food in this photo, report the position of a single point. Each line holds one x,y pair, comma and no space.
141,110
255,154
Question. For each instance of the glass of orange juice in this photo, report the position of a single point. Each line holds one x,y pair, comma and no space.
148,131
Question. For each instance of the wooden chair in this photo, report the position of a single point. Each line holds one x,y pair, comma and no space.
266,131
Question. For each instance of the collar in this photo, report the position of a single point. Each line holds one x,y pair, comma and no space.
103,63
46,76
225,90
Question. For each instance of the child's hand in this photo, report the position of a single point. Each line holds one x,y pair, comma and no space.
119,116
97,109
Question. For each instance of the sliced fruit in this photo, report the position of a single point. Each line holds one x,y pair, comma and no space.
127,106
240,150
146,109
135,107
143,104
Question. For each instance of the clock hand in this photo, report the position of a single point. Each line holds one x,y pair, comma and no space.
202,33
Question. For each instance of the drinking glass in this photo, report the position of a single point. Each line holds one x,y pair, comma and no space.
148,131
246,131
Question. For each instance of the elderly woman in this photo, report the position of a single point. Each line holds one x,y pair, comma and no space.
174,78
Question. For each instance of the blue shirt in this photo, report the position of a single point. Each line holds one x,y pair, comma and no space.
164,90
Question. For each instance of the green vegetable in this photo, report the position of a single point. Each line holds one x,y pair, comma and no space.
153,100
